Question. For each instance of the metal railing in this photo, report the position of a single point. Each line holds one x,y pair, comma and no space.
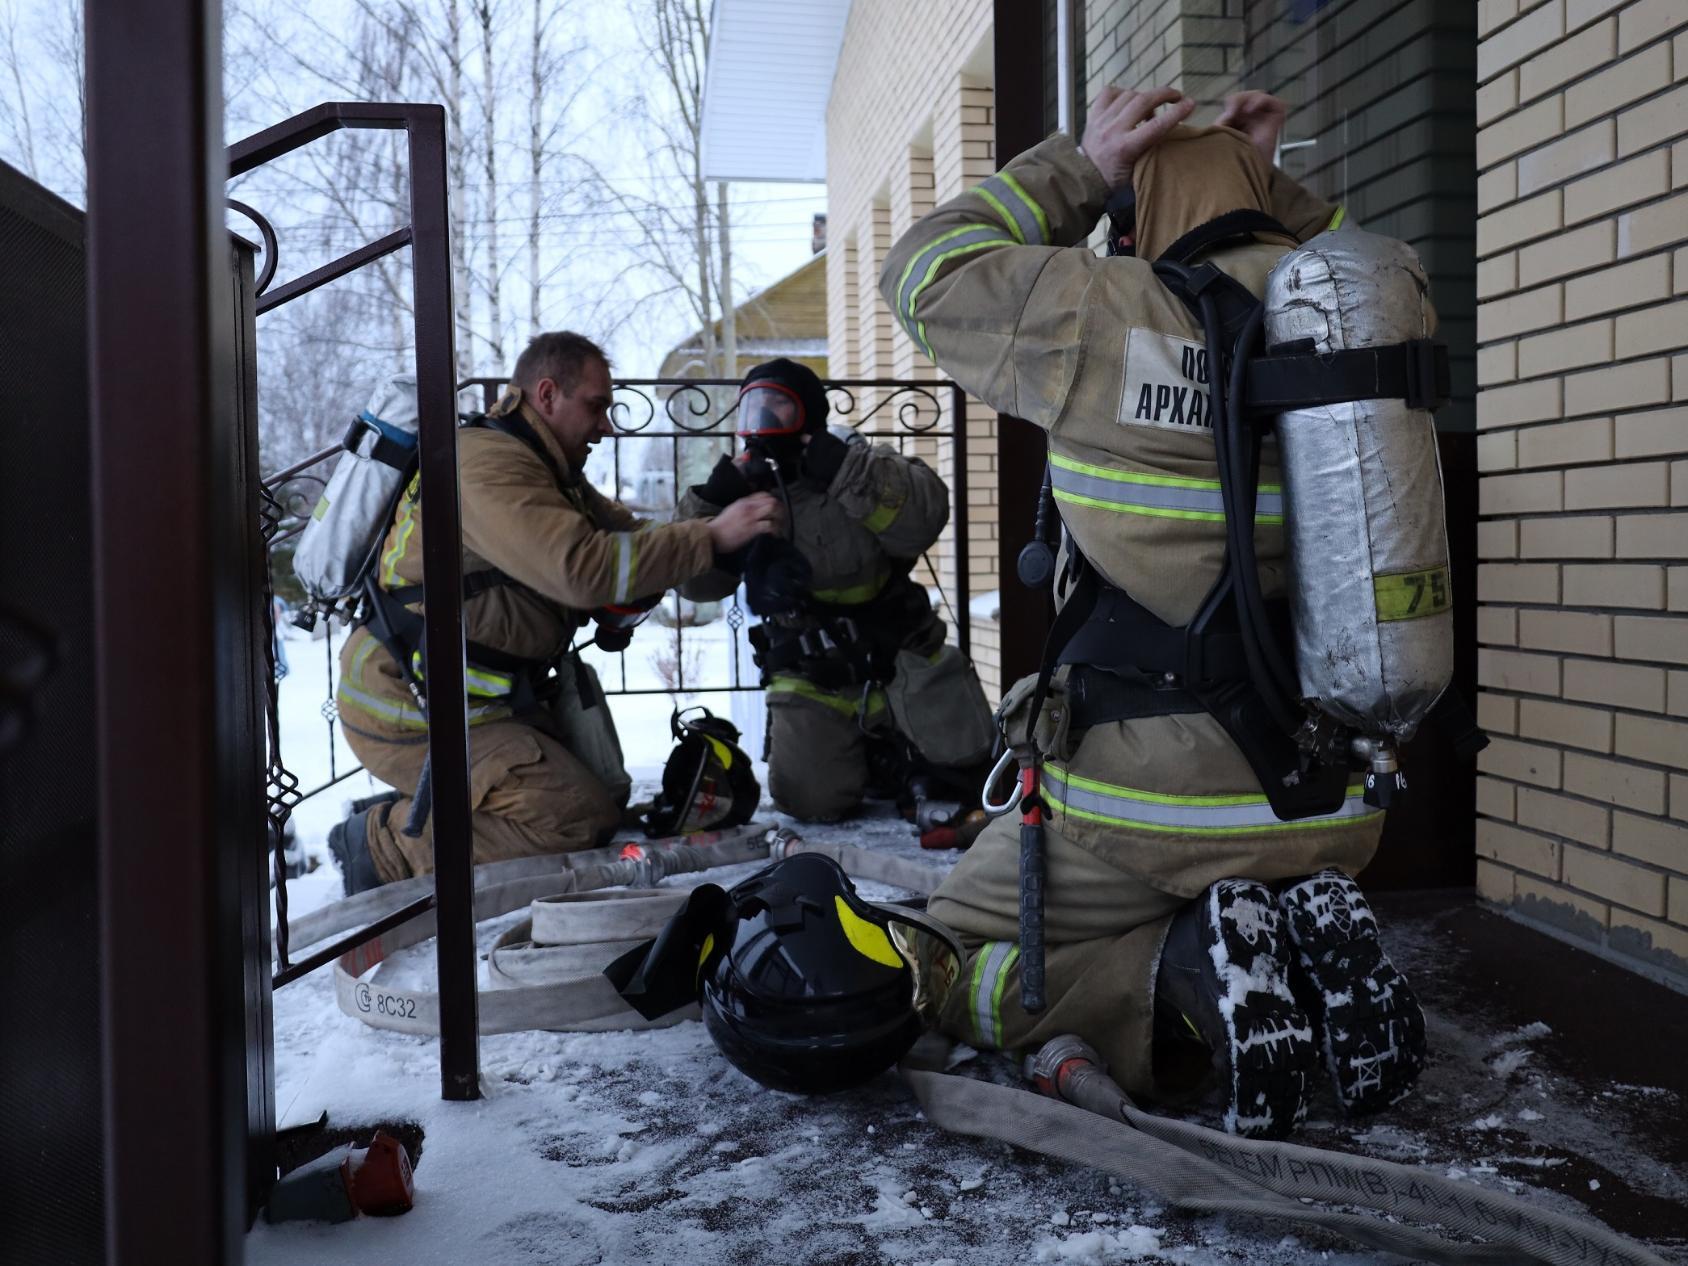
428,236
910,413
686,416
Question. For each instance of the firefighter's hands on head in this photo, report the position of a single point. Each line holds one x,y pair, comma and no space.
759,514
1123,126
1257,115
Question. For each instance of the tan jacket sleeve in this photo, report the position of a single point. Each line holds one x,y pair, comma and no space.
516,518
899,499
1298,209
988,287
716,583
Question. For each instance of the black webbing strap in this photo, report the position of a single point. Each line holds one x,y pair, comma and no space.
407,628
515,425
1121,633
1232,225
1098,696
474,584
1415,371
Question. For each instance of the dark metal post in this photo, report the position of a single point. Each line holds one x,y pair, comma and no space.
442,582
1018,112
963,614
161,336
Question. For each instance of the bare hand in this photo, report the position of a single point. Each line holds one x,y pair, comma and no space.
1123,126
1257,115
759,514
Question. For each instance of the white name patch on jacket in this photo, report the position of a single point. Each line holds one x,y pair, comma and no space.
1165,383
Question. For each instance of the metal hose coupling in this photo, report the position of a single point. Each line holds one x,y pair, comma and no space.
782,843
1052,1066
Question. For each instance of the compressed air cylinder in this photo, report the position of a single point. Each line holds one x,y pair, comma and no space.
1364,517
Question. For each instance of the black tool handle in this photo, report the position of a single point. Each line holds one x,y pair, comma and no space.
1031,917
423,802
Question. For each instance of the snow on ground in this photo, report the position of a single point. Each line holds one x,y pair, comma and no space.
647,1147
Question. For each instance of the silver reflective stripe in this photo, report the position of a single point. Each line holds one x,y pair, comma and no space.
1010,201
923,267
1184,815
990,972
624,555
1164,496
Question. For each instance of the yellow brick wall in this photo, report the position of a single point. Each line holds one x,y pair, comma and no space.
909,126
1582,368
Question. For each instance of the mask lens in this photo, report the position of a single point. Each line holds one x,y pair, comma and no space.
769,409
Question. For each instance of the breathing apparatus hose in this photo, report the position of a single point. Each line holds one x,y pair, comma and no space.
1237,482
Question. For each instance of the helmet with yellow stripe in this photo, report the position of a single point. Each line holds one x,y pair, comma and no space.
817,990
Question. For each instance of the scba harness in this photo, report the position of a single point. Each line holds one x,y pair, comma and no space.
494,675
1230,660
1299,724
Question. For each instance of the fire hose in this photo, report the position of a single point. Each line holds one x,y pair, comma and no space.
1088,1119
547,972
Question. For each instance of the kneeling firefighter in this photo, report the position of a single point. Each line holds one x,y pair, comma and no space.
544,555
1192,885
863,692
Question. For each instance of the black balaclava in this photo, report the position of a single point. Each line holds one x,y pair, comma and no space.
799,381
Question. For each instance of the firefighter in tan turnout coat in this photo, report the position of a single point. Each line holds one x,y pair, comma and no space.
542,550
861,686
1152,815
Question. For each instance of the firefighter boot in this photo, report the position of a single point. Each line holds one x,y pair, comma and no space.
1225,967
1373,1026
349,842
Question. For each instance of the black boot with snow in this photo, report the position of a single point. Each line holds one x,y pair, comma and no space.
1225,965
1373,1034
349,842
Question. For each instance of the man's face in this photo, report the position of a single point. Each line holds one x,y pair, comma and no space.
581,420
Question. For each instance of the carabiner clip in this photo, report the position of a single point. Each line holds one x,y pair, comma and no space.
991,779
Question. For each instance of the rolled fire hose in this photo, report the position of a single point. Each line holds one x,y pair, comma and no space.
1093,1122
586,1002
547,971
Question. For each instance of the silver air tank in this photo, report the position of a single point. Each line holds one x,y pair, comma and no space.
1366,529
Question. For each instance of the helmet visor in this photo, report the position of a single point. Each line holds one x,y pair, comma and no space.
769,408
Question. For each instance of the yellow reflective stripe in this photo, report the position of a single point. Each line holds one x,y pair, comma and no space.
1001,984
905,308
481,683
406,525
882,518
1337,219
970,248
837,702
1139,477
854,594
626,564
1031,203
1149,511
1094,801
990,973
1007,215
1157,496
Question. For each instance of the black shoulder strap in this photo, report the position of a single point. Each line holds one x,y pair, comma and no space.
1224,228
514,424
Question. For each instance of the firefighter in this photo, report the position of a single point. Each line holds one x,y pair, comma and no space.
863,692
542,550
1177,903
